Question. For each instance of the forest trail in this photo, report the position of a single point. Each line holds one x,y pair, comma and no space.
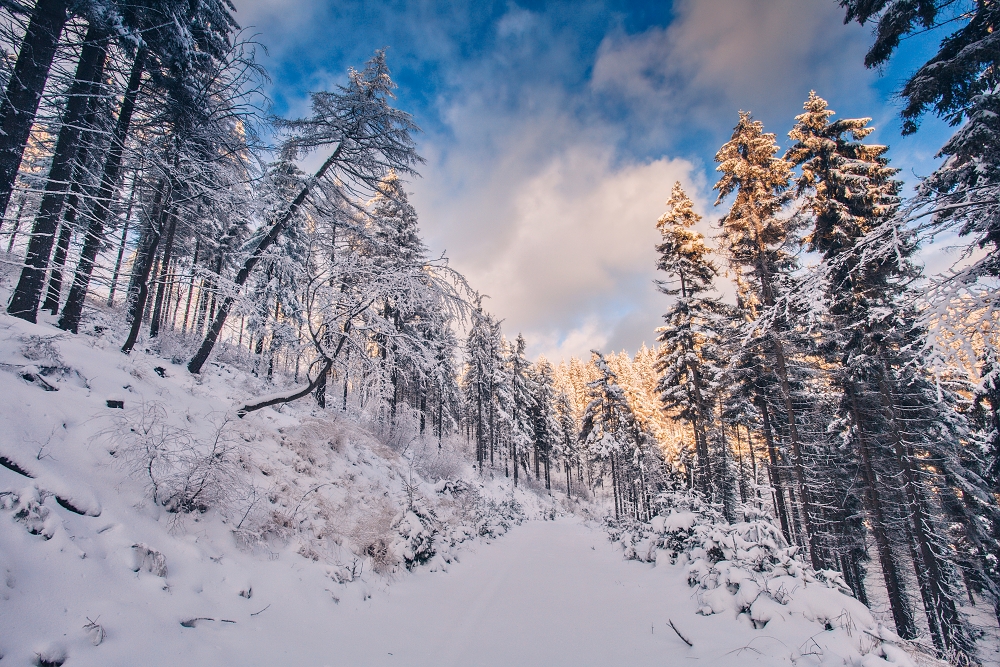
548,593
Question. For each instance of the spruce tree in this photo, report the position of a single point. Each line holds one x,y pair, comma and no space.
688,360
548,433
895,413
617,444
758,242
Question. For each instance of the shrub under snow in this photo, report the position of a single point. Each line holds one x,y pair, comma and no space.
748,569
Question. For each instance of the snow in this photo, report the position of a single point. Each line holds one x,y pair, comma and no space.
328,542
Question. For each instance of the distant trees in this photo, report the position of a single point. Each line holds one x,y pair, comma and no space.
618,446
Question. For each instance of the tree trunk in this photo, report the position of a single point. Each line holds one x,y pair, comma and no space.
347,360
71,209
513,459
54,291
24,92
219,320
614,487
775,477
142,277
793,436
89,70
743,473
17,222
73,310
905,627
320,384
168,246
938,605
121,245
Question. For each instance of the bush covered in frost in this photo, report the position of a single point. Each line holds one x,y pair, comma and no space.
748,568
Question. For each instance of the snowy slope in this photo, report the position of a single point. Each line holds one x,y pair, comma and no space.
296,511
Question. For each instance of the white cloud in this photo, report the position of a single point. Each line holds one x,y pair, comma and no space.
719,56
564,248
537,182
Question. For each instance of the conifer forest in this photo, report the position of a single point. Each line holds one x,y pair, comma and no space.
253,411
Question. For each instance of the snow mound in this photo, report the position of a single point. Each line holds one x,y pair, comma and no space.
746,570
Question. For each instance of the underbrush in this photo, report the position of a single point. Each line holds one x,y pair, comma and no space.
747,569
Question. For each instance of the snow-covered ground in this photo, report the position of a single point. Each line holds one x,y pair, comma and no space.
168,532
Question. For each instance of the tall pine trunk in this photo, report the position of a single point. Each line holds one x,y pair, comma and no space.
89,70
94,239
54,291
154,324
938,604
121,244
24,93
776,483
142,277
781,369
901,615
190,291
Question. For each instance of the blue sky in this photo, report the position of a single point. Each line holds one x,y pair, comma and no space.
553,131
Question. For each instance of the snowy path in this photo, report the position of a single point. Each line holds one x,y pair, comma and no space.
548,593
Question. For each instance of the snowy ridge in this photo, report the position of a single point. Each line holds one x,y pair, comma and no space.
748,572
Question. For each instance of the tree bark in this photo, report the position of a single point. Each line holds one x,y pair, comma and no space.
54,291
939,606
24,92
142,277
73,310
121,244
17,222
776,483
168,246
90,68
905,627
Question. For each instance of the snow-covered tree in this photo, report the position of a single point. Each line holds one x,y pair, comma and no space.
548,428
891,407
370,139
759,243
617,445
688,356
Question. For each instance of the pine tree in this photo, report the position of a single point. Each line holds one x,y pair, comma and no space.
548,433
566,449
758,243
853,195
370,138
687,357
521,404
483,363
